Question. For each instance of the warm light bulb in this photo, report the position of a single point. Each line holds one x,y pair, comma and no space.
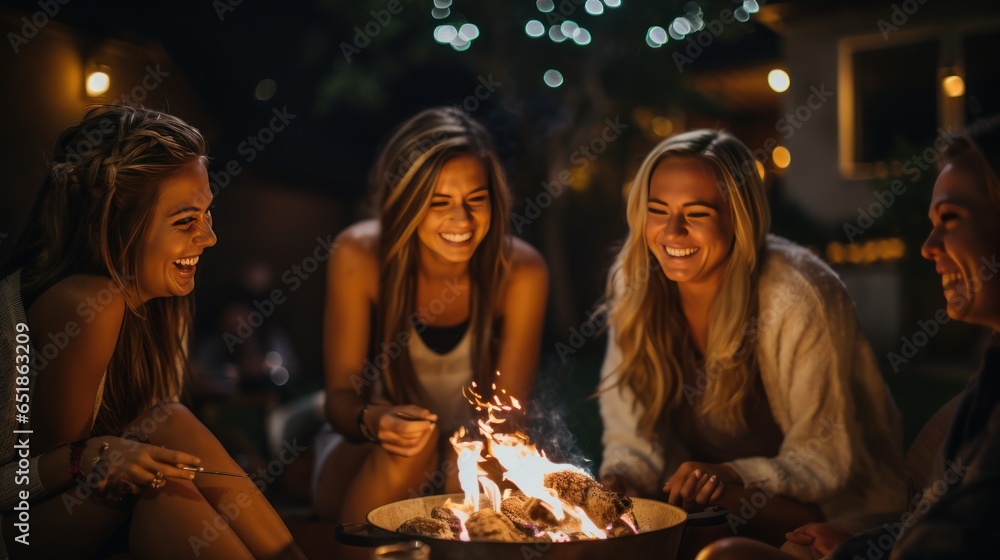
954,86
778,80
782,157
98,83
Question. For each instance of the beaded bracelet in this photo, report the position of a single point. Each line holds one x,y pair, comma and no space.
75,453
363,427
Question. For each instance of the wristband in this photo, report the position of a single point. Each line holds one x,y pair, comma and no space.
75,453
363,428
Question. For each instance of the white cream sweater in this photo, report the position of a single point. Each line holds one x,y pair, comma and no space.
842,446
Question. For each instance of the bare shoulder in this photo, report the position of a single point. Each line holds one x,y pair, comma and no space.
93,304
525,259
354,258
528,270
358,241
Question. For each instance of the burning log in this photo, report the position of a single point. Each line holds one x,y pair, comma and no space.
426,527
488,525
447,516
528,514
602,506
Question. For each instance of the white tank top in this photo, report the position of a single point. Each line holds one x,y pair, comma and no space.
443,377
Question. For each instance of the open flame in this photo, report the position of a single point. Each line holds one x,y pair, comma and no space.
523,465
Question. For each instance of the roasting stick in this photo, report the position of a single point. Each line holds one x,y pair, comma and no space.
201,470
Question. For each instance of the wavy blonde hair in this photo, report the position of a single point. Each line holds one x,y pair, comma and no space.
403,177
91,217
644,305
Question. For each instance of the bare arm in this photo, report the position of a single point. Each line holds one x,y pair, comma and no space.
524,316
66,389
352,281
352,277
90,314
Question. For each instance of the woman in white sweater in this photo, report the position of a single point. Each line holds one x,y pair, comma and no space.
736,370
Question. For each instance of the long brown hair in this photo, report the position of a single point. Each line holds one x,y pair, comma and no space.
91,217
404,176
644,306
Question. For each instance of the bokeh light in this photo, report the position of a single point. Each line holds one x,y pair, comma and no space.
534,28
954,86
445,34
553,78
782,157
779,80
98,83
656,36
265,89
468,31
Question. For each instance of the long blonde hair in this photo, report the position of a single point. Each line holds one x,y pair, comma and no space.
404,176
644,305
91,217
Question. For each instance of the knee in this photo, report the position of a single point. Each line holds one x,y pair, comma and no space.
164,417
731,548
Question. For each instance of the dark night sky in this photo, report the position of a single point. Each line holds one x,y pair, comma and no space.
226,50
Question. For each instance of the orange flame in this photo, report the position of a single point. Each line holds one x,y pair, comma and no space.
523,464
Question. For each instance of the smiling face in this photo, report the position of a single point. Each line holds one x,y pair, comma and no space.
689,227
180,229
459,215
963,245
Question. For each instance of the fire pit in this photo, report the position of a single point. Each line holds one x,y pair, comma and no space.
660,528
558,509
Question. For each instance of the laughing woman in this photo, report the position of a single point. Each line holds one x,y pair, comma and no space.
100,296
736,370
423,300
953,516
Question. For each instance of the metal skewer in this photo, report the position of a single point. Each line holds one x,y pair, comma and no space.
201,470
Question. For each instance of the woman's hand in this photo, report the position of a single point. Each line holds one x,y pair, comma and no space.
120,467
821,538
398,431
698,484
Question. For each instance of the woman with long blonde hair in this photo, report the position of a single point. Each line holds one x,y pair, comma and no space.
736,370
97,310
427,297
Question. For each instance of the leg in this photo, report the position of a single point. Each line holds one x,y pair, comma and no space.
338,463
740,548
177,522
238,500
384,478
